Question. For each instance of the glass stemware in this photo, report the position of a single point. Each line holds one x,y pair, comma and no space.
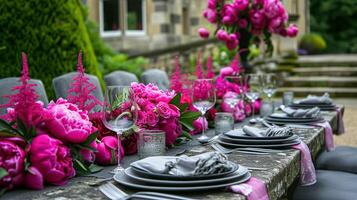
269,85
119,113
236,85
203,99
254,83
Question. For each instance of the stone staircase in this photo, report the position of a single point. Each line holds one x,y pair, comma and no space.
336,74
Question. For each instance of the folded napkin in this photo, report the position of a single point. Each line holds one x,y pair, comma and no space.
312,99
302,113
340,123
307,169
253,189
203,164
329,144
270,132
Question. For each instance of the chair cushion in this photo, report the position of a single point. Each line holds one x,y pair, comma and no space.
122,78
331,185
342,159
157,77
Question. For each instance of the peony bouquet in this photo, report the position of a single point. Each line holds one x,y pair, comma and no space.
260,18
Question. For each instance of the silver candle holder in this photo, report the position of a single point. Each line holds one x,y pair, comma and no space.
151,143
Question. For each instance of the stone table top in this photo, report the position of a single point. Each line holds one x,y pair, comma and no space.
283,173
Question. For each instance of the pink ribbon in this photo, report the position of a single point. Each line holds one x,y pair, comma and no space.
307,169
329,144
340,123
253,189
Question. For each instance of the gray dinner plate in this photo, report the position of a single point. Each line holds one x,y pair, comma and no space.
125,180
283,122
240,172
235,167
282,145
285,116
323,108
255,141
239,134
293,120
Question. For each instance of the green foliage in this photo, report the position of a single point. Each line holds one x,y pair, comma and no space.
312,43
335,21
50,32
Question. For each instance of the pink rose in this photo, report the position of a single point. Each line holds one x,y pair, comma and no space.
222,35
34,179
52,159
273,8
199,125
69,123
163,109
106,148
292,30
210,15
152,119
257,18
204,33
12,160
241,4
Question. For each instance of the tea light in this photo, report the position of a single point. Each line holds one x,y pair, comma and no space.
288,98
151,143
223,122
266,109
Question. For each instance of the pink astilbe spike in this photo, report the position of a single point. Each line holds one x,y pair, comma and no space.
80,91
235,65
176,81
23,105
210,73
199,71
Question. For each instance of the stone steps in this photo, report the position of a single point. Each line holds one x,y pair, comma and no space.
334,92
321,81
325,71
328,60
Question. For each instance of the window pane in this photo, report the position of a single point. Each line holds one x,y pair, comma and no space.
135,14
111,15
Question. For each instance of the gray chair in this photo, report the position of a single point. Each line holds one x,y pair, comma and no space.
120,78
6,85
330,185
343,158
61,85
157,77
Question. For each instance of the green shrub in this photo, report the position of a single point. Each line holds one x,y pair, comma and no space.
312,43
50,32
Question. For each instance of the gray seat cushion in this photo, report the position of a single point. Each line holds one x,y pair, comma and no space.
157,77
331,185
342,159
6,85
61,85
120,78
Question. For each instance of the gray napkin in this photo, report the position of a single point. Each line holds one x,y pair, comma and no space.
270,132
312,99
203,164
303,113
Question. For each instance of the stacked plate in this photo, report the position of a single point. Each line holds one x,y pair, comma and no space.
282,118
139,179
238,139
322,106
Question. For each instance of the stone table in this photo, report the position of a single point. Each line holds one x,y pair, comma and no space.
283,173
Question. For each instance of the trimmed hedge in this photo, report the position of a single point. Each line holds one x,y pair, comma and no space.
50,32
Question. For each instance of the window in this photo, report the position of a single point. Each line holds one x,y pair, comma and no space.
112,15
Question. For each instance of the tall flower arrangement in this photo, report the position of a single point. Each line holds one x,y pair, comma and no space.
261,18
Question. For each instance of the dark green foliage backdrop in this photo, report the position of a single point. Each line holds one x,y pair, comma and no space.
51,32
335,20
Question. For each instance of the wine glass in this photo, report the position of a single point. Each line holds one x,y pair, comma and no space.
254,83
235,84
203,99
119,113
269,85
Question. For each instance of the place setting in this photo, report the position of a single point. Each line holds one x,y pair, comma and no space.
324,102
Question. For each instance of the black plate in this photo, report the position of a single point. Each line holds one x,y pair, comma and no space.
271,146
125,180
255,141
172,177
242,135
239,173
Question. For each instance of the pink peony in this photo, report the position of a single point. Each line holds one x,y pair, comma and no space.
89,155
69,123
292,30
232,41
257,19
163,110
34,179
129,143
238,111
204,33
241,4
243,23
172,129
12,160
52,159
106,148
151,119
199,125
222,35
210,15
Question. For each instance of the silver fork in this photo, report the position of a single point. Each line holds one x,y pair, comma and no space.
114,193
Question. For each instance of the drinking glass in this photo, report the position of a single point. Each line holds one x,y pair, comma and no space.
119,113
269,85
203,99
235,84
254,83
